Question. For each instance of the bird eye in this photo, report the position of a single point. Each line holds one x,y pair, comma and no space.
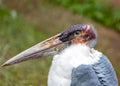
86,36
76,33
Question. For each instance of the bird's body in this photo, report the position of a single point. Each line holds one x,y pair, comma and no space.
81,60
76,63
63,64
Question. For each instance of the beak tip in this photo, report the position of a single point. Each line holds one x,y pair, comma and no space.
4,64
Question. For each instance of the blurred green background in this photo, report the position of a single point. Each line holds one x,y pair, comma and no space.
24,23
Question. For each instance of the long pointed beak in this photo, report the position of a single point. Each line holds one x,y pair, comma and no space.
45,48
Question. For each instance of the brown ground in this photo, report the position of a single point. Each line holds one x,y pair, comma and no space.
54,19
115,3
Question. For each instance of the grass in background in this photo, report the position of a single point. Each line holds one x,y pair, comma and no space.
99,10
15,36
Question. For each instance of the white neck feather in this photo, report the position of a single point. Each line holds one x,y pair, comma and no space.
79,54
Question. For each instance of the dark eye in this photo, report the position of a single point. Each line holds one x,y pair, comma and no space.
77,33
86,36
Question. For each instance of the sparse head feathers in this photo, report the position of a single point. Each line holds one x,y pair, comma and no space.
78,27
80,33
64,35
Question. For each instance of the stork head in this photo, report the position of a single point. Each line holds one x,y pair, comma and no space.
77,34
81,33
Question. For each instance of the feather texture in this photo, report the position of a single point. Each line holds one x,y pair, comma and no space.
61,72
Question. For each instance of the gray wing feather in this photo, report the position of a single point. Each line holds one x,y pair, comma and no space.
105,72
84,75
99,74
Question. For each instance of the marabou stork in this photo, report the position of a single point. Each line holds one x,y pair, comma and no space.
76,62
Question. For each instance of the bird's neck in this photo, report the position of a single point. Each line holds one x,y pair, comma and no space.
79,54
